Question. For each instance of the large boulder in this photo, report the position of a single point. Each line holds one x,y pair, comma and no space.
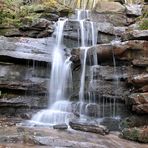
117,19
109,7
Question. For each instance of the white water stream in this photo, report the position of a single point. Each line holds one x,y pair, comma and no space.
88,30
60,84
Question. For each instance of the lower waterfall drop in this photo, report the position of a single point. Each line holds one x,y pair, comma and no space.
60,84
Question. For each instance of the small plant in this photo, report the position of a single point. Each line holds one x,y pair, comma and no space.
143,24
143,20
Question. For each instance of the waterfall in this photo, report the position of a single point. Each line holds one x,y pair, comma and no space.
94,41
88,32
116,41
60,84
82,81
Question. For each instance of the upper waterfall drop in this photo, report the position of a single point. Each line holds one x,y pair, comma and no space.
88,36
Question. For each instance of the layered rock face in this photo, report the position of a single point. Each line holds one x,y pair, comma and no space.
121,73
25,72
122,53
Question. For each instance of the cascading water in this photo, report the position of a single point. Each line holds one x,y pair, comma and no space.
60,84
116,79
88,38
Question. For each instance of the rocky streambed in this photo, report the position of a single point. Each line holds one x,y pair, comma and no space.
19,136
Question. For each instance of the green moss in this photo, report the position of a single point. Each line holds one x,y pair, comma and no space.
143,24
14,14
131,134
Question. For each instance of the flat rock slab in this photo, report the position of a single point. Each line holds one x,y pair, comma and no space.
26,48
135,35
20,101
128,50
88,127
36,87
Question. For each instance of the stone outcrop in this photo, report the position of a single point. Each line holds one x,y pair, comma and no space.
109,7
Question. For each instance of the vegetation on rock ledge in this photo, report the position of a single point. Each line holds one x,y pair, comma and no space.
13,12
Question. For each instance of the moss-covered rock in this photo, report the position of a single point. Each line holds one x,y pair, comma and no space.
136,134
144,24
13,13
134,121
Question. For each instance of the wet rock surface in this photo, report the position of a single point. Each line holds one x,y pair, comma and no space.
60,126
47,137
